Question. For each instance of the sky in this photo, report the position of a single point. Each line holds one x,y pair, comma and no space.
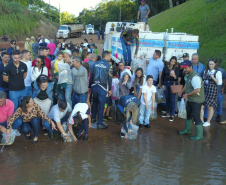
73,6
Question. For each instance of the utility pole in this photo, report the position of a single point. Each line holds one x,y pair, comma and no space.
59,12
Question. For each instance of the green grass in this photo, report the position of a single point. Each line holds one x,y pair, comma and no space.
205,18
17,21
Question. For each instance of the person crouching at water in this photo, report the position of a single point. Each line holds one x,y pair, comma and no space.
131,119
79,118
42,94
32,116
59,115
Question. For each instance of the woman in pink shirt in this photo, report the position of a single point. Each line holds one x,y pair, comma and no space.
6,111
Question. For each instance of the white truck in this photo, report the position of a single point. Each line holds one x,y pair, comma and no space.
70,30
89,29
170,44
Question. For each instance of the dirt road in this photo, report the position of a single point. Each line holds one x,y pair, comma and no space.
98,43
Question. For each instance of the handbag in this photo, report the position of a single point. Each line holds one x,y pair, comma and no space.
176,88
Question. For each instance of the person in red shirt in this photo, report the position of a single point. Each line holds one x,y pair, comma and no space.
44,52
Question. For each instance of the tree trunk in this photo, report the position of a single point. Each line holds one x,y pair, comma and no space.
170,3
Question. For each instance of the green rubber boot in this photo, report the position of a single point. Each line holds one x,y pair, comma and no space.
187,130
199,133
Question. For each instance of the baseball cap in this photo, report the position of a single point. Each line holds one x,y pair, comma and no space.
186,63
143,1
67,51
185,55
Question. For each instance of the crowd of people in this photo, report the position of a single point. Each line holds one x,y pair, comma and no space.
50,84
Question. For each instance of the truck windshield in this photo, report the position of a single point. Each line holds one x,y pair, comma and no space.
89,26
63,28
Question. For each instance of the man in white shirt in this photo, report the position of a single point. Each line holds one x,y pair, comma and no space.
26,58
155,67
58,115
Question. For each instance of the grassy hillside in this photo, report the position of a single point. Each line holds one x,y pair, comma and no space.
206,18
18,22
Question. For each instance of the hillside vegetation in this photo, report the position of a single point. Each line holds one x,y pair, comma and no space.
205,18
18,22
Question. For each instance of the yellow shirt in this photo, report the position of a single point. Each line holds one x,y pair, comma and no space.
56,70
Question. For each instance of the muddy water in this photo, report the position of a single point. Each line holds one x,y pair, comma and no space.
158,156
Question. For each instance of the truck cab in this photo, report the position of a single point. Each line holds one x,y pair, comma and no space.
89,29
64,31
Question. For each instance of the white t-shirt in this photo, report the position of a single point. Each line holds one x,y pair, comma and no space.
149,91
82,107
125,70
55,113
86,44
27,80
35,73
46,40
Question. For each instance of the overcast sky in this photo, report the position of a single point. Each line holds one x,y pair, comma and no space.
73,6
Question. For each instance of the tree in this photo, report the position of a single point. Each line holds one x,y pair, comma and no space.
67,18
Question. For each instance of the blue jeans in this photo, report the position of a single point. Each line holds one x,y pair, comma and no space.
35,124
219,106
126,51
79,98
144,115
6,90
99,99
16,97
16,124
28,91
170,98
84,126
67,94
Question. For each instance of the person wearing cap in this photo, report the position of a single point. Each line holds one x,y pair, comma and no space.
3,63
31,43
66,50
198,67
194,94
126,38
43,43
185,56
27,45
143,12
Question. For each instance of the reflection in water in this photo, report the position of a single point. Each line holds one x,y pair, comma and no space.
158,156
